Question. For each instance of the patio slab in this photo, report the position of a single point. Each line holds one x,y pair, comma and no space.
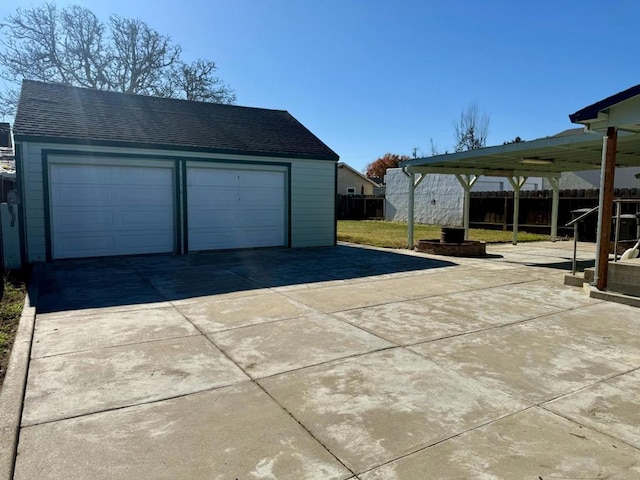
370,409
217,315
336,298
525,363
64,386
610,407
490,306
313,371
405,323
605,329
234,432
80,331
277,347
533,444
548,293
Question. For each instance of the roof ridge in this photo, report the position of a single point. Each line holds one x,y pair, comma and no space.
145,96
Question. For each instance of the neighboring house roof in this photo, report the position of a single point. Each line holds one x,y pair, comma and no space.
569,132
364,178
80,115
591,112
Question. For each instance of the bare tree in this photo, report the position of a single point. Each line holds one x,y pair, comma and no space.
471,130
72,46
198,82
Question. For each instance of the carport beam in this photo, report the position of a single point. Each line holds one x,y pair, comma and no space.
467,182
555,186
516,183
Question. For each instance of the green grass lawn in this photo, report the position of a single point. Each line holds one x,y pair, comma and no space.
394,235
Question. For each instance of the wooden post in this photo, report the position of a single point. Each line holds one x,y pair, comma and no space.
607,208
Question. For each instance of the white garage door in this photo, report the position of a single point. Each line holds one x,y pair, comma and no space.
101,210
235,208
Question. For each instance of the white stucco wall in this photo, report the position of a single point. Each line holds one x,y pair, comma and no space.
438,199
588,179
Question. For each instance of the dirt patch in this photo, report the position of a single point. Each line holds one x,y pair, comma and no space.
13,294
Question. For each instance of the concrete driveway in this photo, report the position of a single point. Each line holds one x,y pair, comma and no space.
329,363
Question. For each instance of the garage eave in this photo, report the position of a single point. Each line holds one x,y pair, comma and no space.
170,147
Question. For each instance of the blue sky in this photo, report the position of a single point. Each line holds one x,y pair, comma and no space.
370,77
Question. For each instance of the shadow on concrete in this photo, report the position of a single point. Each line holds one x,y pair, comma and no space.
119,281
566,265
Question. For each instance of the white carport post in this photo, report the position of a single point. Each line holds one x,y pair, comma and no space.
467,182
413,183
517,183
555,186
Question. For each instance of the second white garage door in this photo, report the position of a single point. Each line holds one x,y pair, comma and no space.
235,208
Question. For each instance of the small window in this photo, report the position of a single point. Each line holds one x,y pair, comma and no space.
351,190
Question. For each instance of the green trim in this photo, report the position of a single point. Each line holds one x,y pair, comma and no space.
185,191
335,207
187,148
21,195
47,206
177,207
185,206
181,189
289,206
47,194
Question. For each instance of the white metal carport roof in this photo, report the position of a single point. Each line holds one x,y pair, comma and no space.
549,157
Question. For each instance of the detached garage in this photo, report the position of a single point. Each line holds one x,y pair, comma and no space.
105,173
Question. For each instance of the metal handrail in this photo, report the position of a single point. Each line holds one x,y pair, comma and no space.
574,222
585,214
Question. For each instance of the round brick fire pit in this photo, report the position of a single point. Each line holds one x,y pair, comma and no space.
452,243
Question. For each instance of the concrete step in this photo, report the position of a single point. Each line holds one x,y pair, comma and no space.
623,285
615,297
624,277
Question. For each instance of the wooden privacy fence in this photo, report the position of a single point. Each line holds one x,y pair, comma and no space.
494,210
360,207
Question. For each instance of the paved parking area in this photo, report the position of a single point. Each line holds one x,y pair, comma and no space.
330,363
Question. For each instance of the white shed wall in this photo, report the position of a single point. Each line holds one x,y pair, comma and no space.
439,199
312,192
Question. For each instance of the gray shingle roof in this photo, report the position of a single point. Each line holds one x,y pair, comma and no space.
53,111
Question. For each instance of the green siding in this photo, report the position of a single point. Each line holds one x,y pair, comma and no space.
311,193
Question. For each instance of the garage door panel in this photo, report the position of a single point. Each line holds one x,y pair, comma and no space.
267,180
142,176
85,245
262,196
144,219
212,177
70,196
131,211
81,175
212,197
67,222
155,196
235,208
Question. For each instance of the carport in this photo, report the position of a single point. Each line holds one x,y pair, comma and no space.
610,140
